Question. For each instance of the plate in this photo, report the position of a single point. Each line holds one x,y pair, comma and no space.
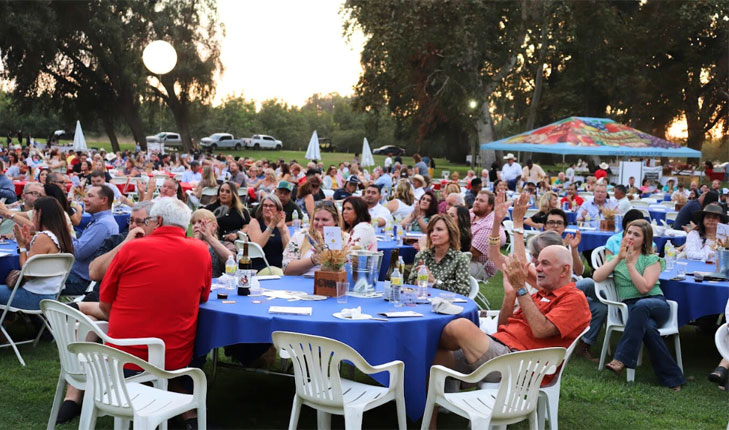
342,317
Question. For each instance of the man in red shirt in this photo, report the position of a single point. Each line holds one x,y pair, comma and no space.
155,284
552,317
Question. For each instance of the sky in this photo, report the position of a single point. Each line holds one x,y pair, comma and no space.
286,49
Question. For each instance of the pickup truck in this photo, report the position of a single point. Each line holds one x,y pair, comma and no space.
221,140
167,138
261,141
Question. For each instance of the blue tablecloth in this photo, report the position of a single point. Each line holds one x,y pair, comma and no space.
121,218
412,340
592,239
407,252
695,299
571,216
10,261
659,214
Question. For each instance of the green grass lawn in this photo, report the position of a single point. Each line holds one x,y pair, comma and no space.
239,399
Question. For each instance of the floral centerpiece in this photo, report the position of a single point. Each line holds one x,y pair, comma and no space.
332,263
607,221
680,201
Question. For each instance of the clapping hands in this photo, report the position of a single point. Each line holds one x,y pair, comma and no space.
515,272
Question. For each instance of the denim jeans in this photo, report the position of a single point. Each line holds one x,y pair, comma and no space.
75,285
23,298
597,309
512,184
645,316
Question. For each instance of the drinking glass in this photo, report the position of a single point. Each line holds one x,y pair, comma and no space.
342,288
681,267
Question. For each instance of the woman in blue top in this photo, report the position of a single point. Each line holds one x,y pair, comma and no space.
635,270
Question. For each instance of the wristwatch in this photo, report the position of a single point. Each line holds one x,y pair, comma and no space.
521,291
518,230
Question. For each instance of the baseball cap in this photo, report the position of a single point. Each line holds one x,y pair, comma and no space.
353,179
285,185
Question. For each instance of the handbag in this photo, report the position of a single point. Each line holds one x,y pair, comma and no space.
12,278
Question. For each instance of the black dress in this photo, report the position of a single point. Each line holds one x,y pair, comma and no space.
273,249
229,222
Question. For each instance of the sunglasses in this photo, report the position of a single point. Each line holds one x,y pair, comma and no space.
324,204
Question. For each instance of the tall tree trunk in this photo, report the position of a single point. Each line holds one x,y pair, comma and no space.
108,122
696,134
180,110
130,111
539,75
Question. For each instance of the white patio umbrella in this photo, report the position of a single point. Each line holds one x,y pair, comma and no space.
79,142
367,158
312,152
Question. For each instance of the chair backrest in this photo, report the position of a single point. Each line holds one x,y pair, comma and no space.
68,325
671,216
645,212
474,288
316,363
606,289
639,203
721,339
522,373
47,266
210,191
120,180
669,204
254,250
530,212
598,256
567,355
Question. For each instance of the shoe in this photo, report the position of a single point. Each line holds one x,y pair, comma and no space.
583,350
720,376
677,388
68,411
616,366
191,424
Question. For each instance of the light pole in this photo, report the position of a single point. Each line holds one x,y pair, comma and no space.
159,57
472,105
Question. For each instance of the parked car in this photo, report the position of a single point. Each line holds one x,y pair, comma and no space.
63,134
221,140
167,138
389,149
326,145
261,141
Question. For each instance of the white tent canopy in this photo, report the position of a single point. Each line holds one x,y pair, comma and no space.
312,152
367,158
79,142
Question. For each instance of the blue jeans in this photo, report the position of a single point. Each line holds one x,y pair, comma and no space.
597,309
645,316
512,184
75,285
23,298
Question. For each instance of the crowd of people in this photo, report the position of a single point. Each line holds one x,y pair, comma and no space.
547,301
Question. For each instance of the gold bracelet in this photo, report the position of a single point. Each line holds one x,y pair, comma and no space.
494,240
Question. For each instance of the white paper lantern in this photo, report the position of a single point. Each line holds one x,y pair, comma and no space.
159,57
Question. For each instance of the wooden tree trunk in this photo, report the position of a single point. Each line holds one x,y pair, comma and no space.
180,111
108,122
130,111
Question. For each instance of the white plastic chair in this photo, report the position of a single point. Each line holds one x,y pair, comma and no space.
69,325
668,204
598,257
548,406
645,212
530,212
37,266
316,363
128,399
488,321
514,400
6,226
509,229
618,316
639,203
254,250
721,339
475,289
671,216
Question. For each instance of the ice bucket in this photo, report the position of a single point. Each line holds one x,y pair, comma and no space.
722,261
363,269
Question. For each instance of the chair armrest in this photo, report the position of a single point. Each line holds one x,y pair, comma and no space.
102,325
155,347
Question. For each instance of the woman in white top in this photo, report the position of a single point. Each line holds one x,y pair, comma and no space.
701,241
402,201
329,181
300,257
52,237
357,222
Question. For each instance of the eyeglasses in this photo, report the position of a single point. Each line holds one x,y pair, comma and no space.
555,223
32,193
140,221
268,206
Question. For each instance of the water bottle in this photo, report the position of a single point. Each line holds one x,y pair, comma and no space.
422,281
387,291
388,231
305,222
670,253
395,288
295,221
230,266
399,234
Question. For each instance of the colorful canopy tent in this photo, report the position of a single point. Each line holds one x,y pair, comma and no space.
591,136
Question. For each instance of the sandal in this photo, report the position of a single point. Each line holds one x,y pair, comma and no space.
616,366
719,376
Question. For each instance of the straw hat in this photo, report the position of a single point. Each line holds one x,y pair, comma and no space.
419,178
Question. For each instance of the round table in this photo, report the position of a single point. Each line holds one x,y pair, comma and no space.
413,340
407,252
571,215
9,259
695,299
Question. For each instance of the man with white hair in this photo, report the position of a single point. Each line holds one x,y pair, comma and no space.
157,294
552,317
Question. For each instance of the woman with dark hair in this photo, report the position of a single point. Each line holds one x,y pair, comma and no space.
285,174
43,175
500,186
495,172
702,240
358,223
425,208
231,215
305,196
462,218
447,266
612,246
635,270
73,212
269,230
52,237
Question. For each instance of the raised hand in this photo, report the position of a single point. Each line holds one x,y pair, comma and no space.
520,207
624,247
572,240
513,268
501,207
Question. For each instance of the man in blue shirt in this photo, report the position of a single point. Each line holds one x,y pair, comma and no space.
98,203
383,180
685,215
192,175
7,189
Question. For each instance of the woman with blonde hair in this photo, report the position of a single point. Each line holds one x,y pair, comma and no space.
268,184
402,201
635,270
205,228
208,181
547,202
451,188
447,266
268,229
300,257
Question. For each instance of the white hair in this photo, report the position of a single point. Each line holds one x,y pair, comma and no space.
173,212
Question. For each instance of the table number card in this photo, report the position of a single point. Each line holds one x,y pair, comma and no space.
333,237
